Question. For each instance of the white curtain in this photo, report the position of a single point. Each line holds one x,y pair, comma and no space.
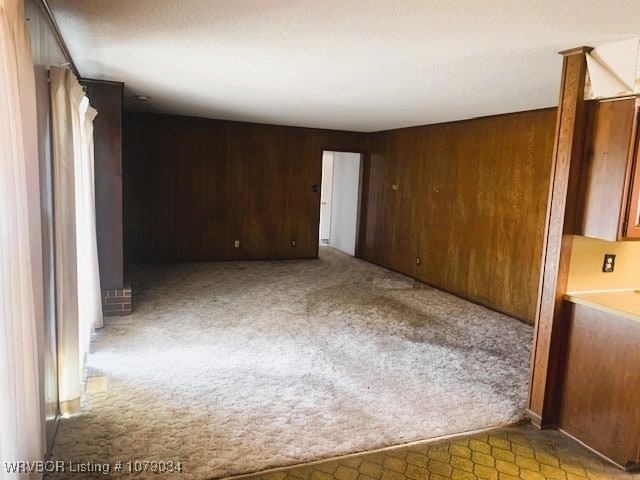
89,300
21,307
78,307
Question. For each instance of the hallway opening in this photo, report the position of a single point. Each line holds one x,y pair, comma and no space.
340,200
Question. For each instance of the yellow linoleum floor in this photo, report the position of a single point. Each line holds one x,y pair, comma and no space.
519,452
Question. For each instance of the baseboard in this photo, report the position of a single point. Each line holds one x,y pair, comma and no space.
603,457
449,291
542,422
534,417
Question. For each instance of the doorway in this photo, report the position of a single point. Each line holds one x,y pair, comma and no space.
339,200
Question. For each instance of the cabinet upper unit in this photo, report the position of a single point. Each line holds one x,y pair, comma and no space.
610,179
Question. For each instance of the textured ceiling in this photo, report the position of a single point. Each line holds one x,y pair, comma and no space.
361,65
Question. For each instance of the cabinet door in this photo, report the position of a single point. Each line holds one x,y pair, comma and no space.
602,378
631,224
604,175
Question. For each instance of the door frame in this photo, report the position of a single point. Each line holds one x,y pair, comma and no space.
360,203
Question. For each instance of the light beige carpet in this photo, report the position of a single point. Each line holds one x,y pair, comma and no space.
237,367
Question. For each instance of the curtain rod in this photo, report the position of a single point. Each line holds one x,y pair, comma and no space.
44,4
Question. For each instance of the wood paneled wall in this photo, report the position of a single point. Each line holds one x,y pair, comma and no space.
193,186
468,199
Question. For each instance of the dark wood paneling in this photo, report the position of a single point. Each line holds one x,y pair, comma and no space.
469,201
467,198
371,232
602,181
404,167
193,186
106,98
600,404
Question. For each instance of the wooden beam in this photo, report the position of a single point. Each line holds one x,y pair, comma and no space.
551,333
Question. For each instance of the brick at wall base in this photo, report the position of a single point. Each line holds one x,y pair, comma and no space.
116,302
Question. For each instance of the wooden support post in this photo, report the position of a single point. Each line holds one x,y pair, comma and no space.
551,334
106,97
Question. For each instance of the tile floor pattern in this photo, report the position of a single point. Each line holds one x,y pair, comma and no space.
519,452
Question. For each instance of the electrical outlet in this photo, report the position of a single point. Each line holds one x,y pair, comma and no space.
293,243
417,260
236,244
609,263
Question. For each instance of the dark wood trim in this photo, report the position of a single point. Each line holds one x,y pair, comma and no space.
534,417
550,332
576,51
320,176
44,4
363,207
628,229
102,82
359,216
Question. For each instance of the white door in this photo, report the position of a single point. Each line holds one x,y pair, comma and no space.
326,190
344,202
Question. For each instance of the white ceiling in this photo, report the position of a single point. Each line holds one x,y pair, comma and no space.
362,65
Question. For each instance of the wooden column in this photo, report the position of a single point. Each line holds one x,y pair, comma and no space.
551,333
106,98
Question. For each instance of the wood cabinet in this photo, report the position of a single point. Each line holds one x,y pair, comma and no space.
632,220
600,397
610,182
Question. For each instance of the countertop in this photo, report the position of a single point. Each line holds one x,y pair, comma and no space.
625,303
